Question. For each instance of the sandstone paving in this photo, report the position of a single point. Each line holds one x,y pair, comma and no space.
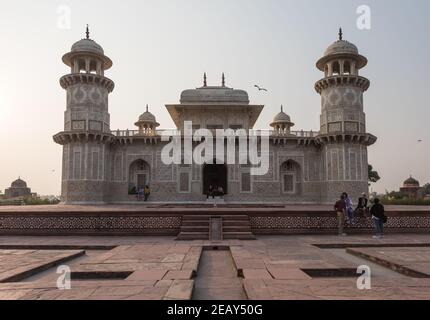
17,265
180,290
406,260
272,267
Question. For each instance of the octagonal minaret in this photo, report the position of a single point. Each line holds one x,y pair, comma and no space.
86,134
343,132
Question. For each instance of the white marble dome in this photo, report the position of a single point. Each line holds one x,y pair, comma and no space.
282,119
214,95
147,118
341,47
87,45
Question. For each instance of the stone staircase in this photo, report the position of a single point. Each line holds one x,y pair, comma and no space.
216,228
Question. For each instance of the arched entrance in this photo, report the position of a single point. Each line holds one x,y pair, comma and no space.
139,176
215,175
291,178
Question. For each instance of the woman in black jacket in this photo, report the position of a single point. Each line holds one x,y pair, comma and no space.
378,215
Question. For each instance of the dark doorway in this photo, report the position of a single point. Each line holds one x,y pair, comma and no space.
215,175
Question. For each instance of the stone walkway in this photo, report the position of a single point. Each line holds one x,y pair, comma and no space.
217,278
272,267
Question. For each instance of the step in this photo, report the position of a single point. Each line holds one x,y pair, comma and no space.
193,236
239,236
206,216
235,218
194,228
236,229
236,223
196,223
202,217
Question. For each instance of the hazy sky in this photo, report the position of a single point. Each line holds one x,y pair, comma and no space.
160,48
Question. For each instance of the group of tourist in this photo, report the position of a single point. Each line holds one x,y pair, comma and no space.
215,192
347,214
344,208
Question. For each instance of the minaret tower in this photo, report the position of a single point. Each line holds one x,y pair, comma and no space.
343,134
86,137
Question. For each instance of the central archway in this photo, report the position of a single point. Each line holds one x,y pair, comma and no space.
139,176
215,175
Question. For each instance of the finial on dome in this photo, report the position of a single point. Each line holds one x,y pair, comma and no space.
223,79
205,82
282,108
147,108
88,31
340,34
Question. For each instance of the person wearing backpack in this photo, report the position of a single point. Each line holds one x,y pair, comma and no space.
379,218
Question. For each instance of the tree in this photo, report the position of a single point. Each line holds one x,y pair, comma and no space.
394,195
373,175
427,188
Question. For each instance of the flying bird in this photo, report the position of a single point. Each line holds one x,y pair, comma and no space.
419,141
261,89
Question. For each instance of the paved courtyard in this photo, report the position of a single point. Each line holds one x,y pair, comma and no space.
271,267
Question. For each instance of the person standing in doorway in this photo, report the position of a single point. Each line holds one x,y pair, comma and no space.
340,207
140,193
211,192
221,192
147,193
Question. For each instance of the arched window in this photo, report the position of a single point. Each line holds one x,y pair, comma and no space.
93,66
336,68
347,67
291,177
81,65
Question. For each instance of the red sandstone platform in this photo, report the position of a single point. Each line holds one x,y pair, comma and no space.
191,208
166,219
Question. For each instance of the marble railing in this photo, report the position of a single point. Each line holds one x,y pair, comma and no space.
174,133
